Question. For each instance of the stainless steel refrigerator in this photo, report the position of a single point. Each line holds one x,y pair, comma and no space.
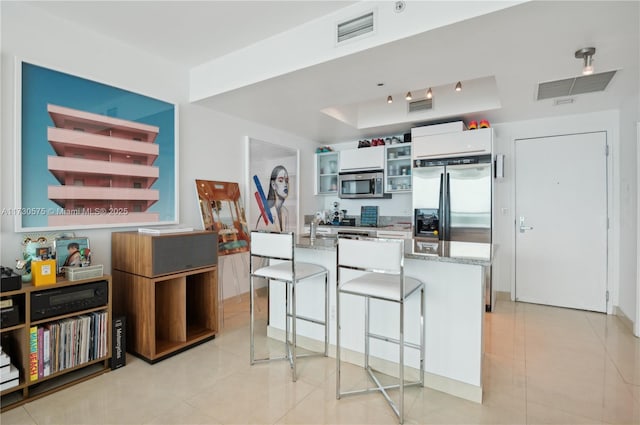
452,201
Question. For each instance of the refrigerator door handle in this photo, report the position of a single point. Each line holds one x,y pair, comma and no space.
447,210
441,219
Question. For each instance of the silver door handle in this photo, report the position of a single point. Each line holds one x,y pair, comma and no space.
523,227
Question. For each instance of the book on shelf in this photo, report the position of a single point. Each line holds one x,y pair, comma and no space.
9,384
46,349
9,372
6,303
165,230
40,352
33,353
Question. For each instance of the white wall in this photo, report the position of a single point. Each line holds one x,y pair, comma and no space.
211,144
628,209
504,235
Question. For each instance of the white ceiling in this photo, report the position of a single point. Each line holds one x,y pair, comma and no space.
514,49
190,32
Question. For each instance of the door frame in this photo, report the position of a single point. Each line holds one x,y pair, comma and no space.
636,327
613,238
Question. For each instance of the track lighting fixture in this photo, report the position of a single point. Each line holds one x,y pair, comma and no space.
586,54
389,99
408,96
429,93
459,86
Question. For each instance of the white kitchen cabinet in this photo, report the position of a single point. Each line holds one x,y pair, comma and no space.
326,173
447,145
371,158
398,168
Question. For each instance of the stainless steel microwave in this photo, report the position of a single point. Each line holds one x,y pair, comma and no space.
362,184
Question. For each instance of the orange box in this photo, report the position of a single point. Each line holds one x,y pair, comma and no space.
43,272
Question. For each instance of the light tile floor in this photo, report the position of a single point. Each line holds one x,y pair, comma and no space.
542,365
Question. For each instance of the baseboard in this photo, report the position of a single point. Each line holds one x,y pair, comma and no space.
433,381
617,311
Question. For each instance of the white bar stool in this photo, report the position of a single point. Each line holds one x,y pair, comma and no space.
382,260
280,246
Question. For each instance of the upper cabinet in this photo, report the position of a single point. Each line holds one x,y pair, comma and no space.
327,173
371,158
460,143
398,168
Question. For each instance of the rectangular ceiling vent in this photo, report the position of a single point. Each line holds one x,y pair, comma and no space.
355,27
421,105
577,85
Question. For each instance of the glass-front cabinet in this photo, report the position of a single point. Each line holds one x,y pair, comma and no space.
327,173
398,168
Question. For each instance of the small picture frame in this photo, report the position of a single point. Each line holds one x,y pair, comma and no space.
71,252
43,252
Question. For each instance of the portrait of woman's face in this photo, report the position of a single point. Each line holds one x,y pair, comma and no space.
281,184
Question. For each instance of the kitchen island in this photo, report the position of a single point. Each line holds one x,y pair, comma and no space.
454,274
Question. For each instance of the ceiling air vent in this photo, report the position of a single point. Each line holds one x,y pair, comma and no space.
577,85
421,105
355,27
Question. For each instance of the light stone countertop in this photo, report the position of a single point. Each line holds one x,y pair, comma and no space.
451,252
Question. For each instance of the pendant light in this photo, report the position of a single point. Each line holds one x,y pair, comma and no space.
389,99
429,93
586,54
459,86
408,96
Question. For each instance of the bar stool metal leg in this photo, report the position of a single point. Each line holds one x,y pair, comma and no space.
367,305
338,337
293,328
326,314
251,308
422,346
401,410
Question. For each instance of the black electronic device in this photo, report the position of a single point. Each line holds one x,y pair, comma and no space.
9,281
9,316
67,299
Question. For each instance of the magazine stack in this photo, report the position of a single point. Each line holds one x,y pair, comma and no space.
9,375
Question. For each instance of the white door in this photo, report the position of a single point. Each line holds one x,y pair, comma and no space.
561,221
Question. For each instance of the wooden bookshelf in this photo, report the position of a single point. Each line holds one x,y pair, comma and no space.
16,341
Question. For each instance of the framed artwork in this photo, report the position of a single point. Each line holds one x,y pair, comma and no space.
222,210
273,186
91,155
71,252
